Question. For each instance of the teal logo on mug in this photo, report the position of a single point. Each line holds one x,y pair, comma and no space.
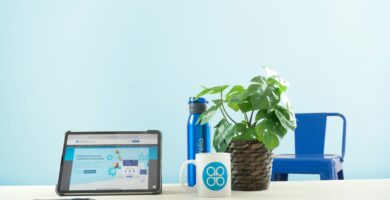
215,176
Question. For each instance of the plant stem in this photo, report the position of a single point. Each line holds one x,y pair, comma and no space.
250,119
224,116
246,118
223,109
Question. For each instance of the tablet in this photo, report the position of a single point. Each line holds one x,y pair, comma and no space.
110,163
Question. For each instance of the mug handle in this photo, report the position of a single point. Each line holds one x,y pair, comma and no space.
184,165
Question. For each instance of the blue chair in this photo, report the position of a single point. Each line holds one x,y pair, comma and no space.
309,157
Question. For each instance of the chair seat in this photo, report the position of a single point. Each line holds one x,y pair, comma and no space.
306,164
308,156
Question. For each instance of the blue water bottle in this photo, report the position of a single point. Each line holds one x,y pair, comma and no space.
198,136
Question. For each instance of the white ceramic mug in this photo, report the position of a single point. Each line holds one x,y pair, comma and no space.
213,176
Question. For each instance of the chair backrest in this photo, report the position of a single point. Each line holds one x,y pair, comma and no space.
310,133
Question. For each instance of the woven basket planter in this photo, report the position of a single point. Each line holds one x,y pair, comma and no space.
251,165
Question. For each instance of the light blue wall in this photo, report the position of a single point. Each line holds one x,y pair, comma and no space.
131,65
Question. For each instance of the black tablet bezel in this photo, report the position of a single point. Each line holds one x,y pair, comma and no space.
110,192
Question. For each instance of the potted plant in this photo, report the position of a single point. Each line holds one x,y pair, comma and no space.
267,117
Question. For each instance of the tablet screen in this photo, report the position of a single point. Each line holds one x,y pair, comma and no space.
110,162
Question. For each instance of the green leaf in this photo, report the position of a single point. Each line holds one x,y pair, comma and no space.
239,98
240,128
270,124
261,114
218,102
218,89
218,133
212,90
260,102
226,141
207,115
266,100
245,106
245,134
244,122
263,126
280,130
259,132
270,140
274,79
235,91
259,79
286,117
223,136
250,133
279,81
234,106
254,89
287,112
202,93
221,122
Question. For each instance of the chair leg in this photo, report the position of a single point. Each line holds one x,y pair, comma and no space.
329,174
273,177
340,175
279,177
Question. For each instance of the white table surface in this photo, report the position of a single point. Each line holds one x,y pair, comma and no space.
313,190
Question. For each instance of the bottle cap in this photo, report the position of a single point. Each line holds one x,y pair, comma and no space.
197,106
197,100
